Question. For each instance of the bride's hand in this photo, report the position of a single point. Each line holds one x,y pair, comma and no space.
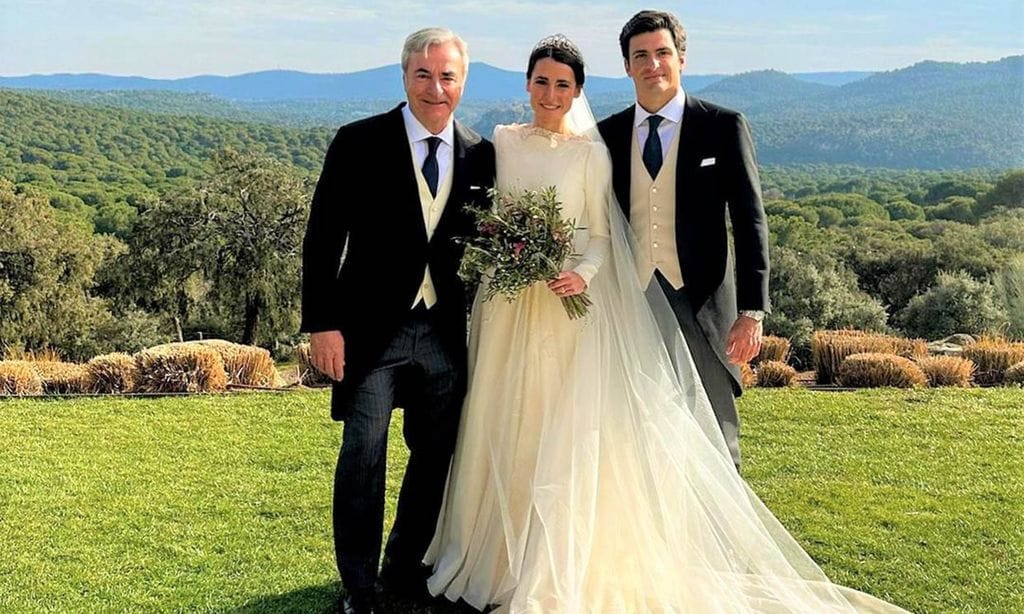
568,283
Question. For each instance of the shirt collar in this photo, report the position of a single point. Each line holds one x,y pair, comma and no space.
416,132
672,111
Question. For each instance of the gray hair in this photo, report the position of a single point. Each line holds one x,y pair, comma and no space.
419,41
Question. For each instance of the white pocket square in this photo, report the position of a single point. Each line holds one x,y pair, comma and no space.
707,162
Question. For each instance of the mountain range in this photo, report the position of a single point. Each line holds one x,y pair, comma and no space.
485,82
932,115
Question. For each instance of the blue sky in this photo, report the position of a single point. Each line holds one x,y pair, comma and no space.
176,38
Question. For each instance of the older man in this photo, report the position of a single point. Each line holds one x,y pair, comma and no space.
386,310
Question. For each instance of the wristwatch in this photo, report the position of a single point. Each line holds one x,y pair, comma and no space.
754,314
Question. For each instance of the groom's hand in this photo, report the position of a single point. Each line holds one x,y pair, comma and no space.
327,353
744,340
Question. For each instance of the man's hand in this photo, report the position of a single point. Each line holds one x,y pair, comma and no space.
327,352
744,341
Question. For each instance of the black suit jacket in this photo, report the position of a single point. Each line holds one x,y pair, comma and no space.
706,197
367,207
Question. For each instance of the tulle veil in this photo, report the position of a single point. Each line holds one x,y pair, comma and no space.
636,504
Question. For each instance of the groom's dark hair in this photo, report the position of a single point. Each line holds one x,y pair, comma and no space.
652,21
559,48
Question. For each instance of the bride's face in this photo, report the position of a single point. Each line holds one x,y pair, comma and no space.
552,87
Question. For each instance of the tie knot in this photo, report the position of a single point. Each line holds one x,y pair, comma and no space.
432,143
654,120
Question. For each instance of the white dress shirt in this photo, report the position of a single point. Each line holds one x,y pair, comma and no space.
672,112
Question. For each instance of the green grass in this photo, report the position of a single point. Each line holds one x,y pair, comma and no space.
223,503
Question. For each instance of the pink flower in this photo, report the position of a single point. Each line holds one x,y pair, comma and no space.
518,248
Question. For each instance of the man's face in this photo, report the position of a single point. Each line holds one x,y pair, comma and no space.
433,84
654,64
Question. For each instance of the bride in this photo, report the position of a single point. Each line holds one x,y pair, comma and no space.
590,473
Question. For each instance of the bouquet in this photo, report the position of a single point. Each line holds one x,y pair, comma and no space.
522,239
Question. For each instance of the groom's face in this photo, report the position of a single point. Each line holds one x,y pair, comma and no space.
433,84
654,64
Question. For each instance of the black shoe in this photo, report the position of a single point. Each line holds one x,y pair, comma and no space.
358,602
407,582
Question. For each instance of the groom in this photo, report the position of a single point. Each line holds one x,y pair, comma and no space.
386,311
681,168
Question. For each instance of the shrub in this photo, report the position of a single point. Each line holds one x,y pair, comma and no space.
1009,286
61,377
831,347
245,365
775,374
309,375
747,377
815,291
957,303
947,371
773,348
992,357
1015,374
875,370
180,367
18,378
110,373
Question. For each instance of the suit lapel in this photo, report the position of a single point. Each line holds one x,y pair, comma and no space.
407,190
689,149
620,144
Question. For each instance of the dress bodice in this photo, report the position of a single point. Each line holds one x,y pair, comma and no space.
532,158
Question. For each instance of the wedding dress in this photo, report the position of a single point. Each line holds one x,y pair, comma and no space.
590,475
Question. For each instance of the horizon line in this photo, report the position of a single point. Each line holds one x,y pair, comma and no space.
478,62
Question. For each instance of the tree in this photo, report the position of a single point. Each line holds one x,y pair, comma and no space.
47,270
232,242
1008,192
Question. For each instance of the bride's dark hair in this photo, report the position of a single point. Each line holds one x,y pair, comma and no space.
559,48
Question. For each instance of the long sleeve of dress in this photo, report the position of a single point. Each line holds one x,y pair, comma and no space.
598,194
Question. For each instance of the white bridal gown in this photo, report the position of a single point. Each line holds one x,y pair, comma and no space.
590,475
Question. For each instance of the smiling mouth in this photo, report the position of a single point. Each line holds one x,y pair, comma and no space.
550,107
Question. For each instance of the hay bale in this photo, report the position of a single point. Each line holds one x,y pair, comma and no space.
309,375
61,377
879,370
19,378
947,371
245,365
180,367
747,377
993,357
775,374
830,348
773,349
1015,374
110,374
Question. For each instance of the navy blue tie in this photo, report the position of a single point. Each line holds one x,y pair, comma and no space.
430,171
652,148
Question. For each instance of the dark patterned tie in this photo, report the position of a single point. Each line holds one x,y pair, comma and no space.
652,148
430,164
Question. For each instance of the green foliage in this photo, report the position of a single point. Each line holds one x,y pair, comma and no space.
47,268
1008,192
850,205
903,209
957,303
787,208
231,244
953,208
104,157
1009,287
814,291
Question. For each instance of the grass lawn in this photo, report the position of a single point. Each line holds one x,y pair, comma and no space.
223,503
